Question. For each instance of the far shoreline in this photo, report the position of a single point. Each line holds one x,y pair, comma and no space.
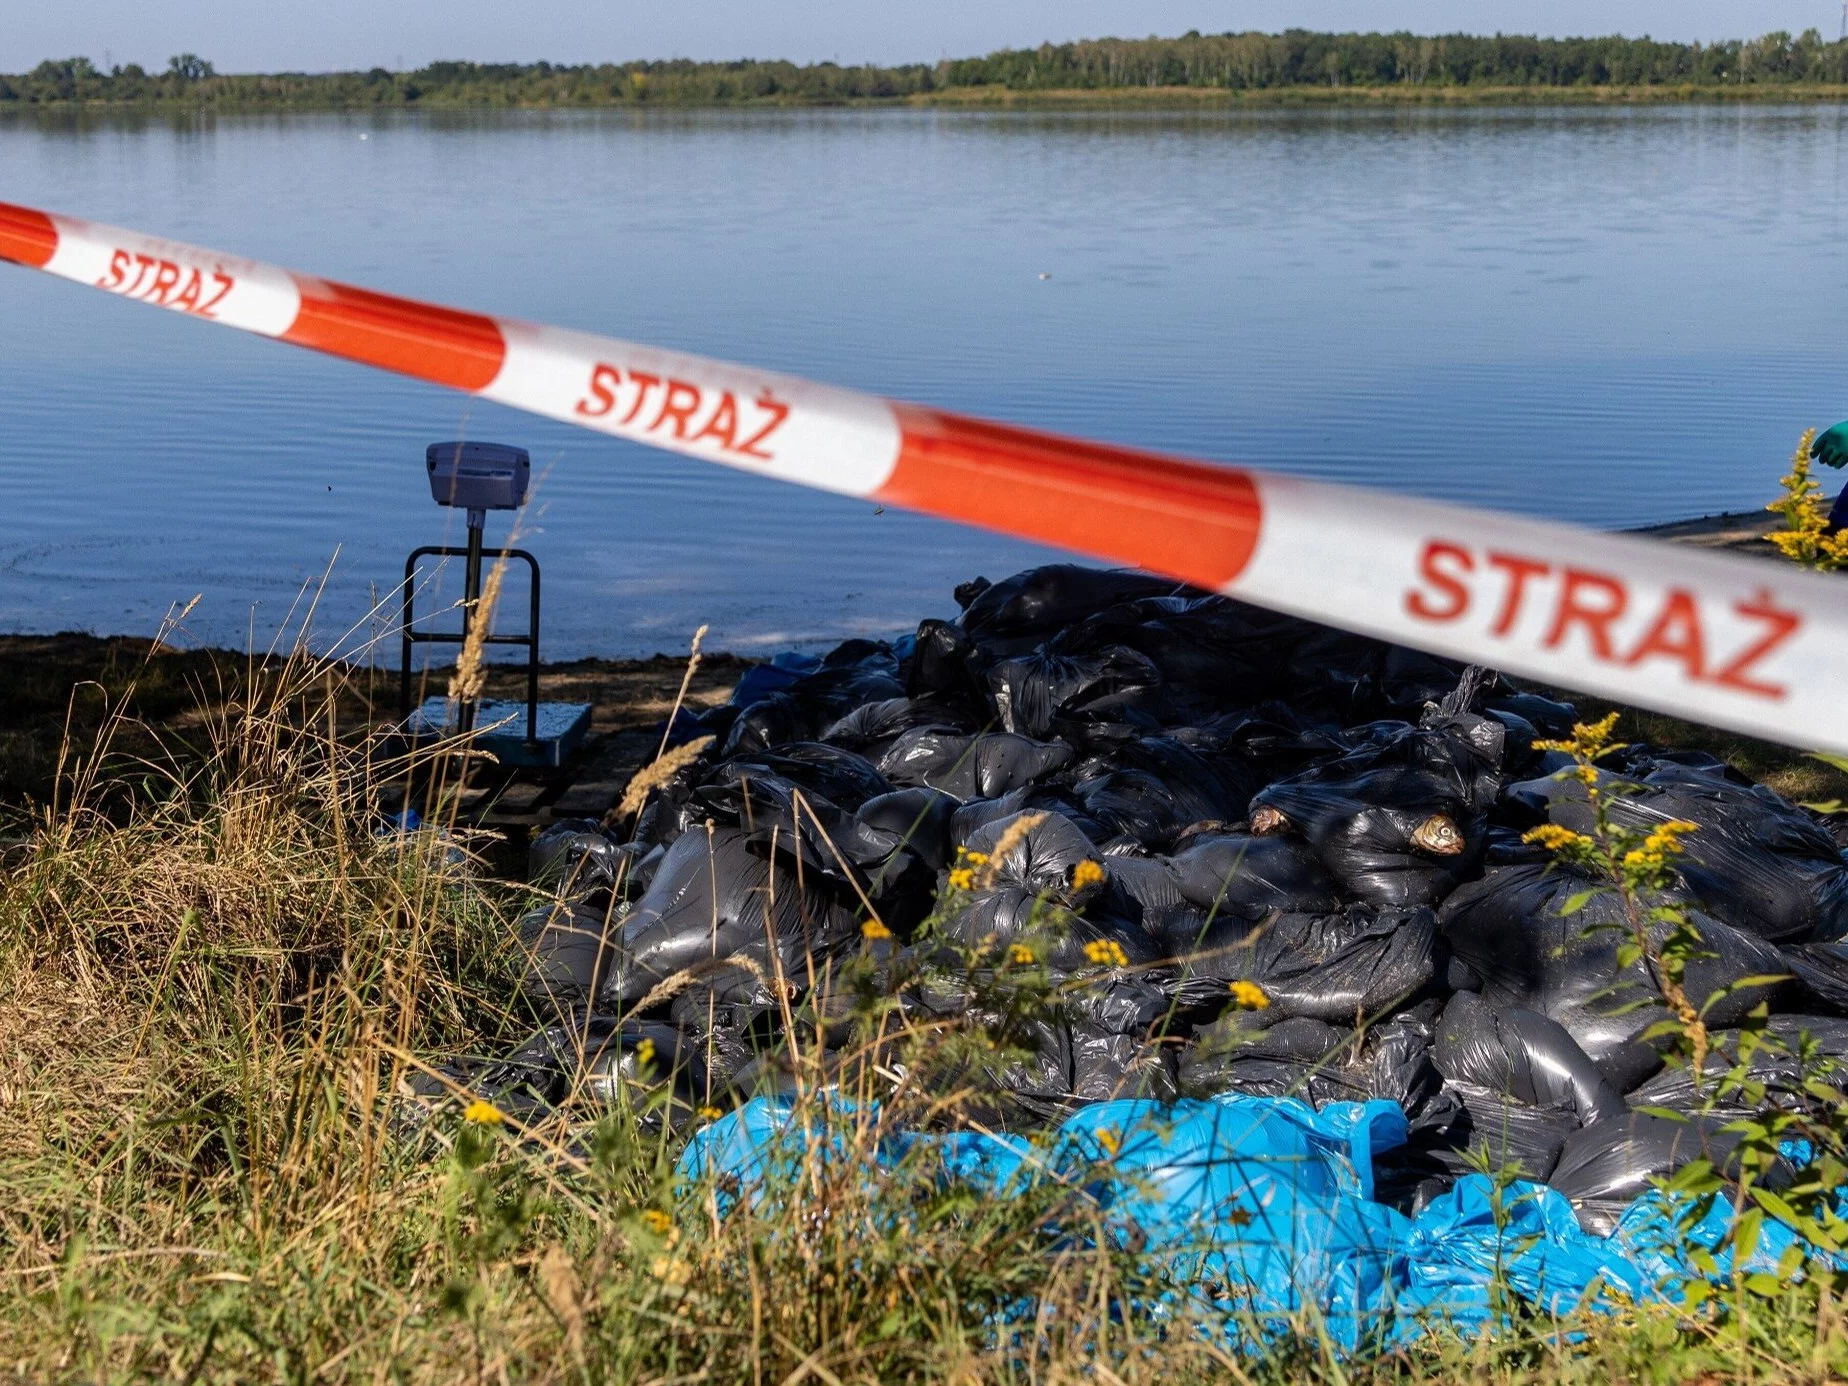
996,97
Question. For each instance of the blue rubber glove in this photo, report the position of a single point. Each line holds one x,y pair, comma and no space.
1831,448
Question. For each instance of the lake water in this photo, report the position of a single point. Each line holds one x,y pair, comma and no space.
1608,316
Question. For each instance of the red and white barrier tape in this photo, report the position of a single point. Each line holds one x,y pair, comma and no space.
1720,639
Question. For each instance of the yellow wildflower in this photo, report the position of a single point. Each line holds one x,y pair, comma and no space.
1555,838
1108,1140
710,1113
975,858
1020,955
1660,845
645,1052
1106,952
1249,996
1087,873
1589,739
483,1113
874,931
962,878
658,1221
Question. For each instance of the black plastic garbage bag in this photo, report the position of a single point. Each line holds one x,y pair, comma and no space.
1153,789
574,856
871,728
1029,896
1033,693
1239,876
714,899
1507,928
1033,605
841,776
1006,916
940,663
1801,1047
1145,891
1038,850
971,767
1604,1167
568,948
645,1066
584,1061
893,832
1522,1056
1107,1065
1397,822
776,817
722,1037
1516,1088
1344,967
1311,1060
972,816
856,672
1821,970
1497,1134
1755,860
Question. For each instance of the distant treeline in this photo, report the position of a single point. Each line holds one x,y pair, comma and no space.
1230,62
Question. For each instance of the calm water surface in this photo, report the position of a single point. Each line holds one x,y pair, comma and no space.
1613,317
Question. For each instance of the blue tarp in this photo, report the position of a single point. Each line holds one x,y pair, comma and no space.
1264,1208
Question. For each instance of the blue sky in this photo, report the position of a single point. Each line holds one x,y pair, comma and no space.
251,35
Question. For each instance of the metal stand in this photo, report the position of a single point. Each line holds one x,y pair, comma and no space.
471,612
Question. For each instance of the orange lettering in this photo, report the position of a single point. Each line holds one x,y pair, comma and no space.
1676,634
144,263
1596,617
723,424
164,279
1781,626
604,380
189,296
118,270
1518,570
778,411
677,404
643,383
1451,588
225,284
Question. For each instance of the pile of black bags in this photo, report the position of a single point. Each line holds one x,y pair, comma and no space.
1220,850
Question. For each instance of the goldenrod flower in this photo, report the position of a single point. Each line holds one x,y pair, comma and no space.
873,930
483,1113
1555,838
1249,996
1660,845
1087,873
1106,952
658,1221
645,1052
962,878
1020,955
